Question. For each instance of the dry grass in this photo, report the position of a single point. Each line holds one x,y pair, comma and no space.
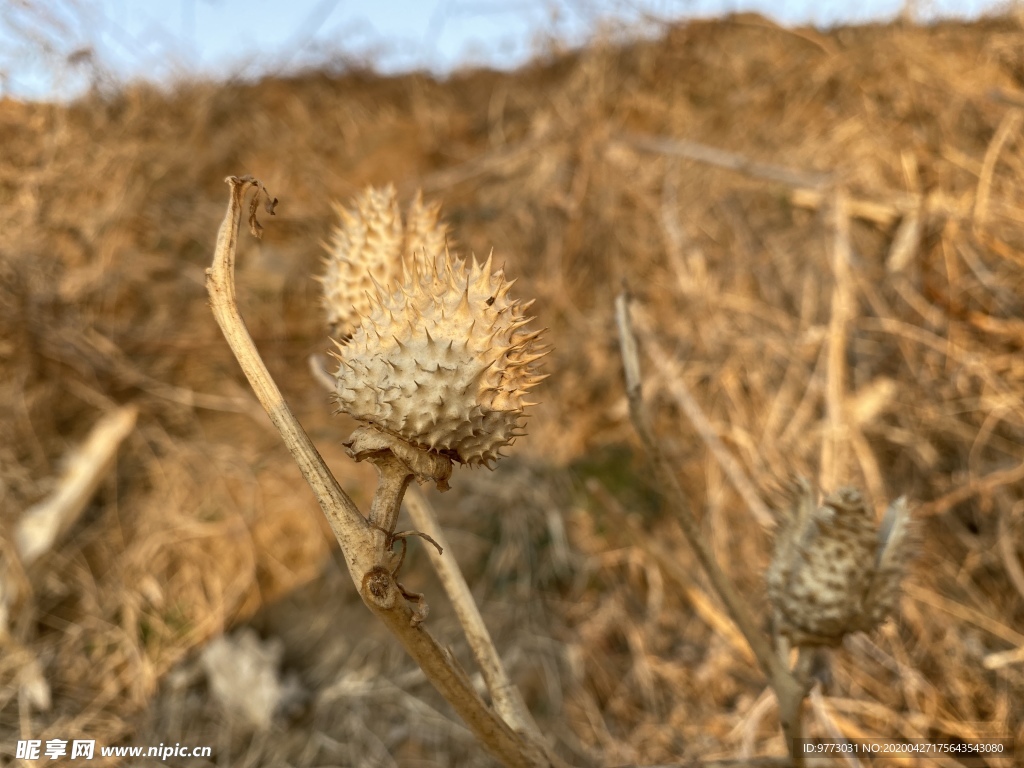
108,210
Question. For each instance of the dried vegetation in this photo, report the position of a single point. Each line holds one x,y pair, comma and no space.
108,209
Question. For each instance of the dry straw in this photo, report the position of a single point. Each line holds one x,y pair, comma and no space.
624,652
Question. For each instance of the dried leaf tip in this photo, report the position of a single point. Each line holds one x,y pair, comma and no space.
269,202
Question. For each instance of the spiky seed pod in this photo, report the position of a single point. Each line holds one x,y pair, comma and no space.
833,571
426,236
370,244
365,245
444,362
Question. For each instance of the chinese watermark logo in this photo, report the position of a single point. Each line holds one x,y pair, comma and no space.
85,749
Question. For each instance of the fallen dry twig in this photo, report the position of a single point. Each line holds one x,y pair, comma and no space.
42,523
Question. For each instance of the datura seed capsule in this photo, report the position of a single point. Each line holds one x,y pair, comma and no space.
441,358
834,571
370,244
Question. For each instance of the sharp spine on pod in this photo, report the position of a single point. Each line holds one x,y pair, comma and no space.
449,321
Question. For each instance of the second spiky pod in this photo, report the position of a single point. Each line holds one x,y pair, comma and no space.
368,247
433,350
835,570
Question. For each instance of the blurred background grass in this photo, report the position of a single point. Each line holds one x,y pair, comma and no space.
109,206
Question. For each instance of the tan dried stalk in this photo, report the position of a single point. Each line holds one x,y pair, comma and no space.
366,547
37,530
834,458
790,687
506,696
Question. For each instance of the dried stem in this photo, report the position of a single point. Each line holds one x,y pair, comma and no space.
348,524
361,543
730,466
721,158
506,697
1008,127
392,481
789,690
834,451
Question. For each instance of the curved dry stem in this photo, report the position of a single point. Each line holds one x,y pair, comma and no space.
348,524
392,481
787,687
734,603
361,543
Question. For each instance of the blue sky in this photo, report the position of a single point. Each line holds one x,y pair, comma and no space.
54,49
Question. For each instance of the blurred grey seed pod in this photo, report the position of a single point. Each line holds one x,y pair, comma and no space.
370,244
834,571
